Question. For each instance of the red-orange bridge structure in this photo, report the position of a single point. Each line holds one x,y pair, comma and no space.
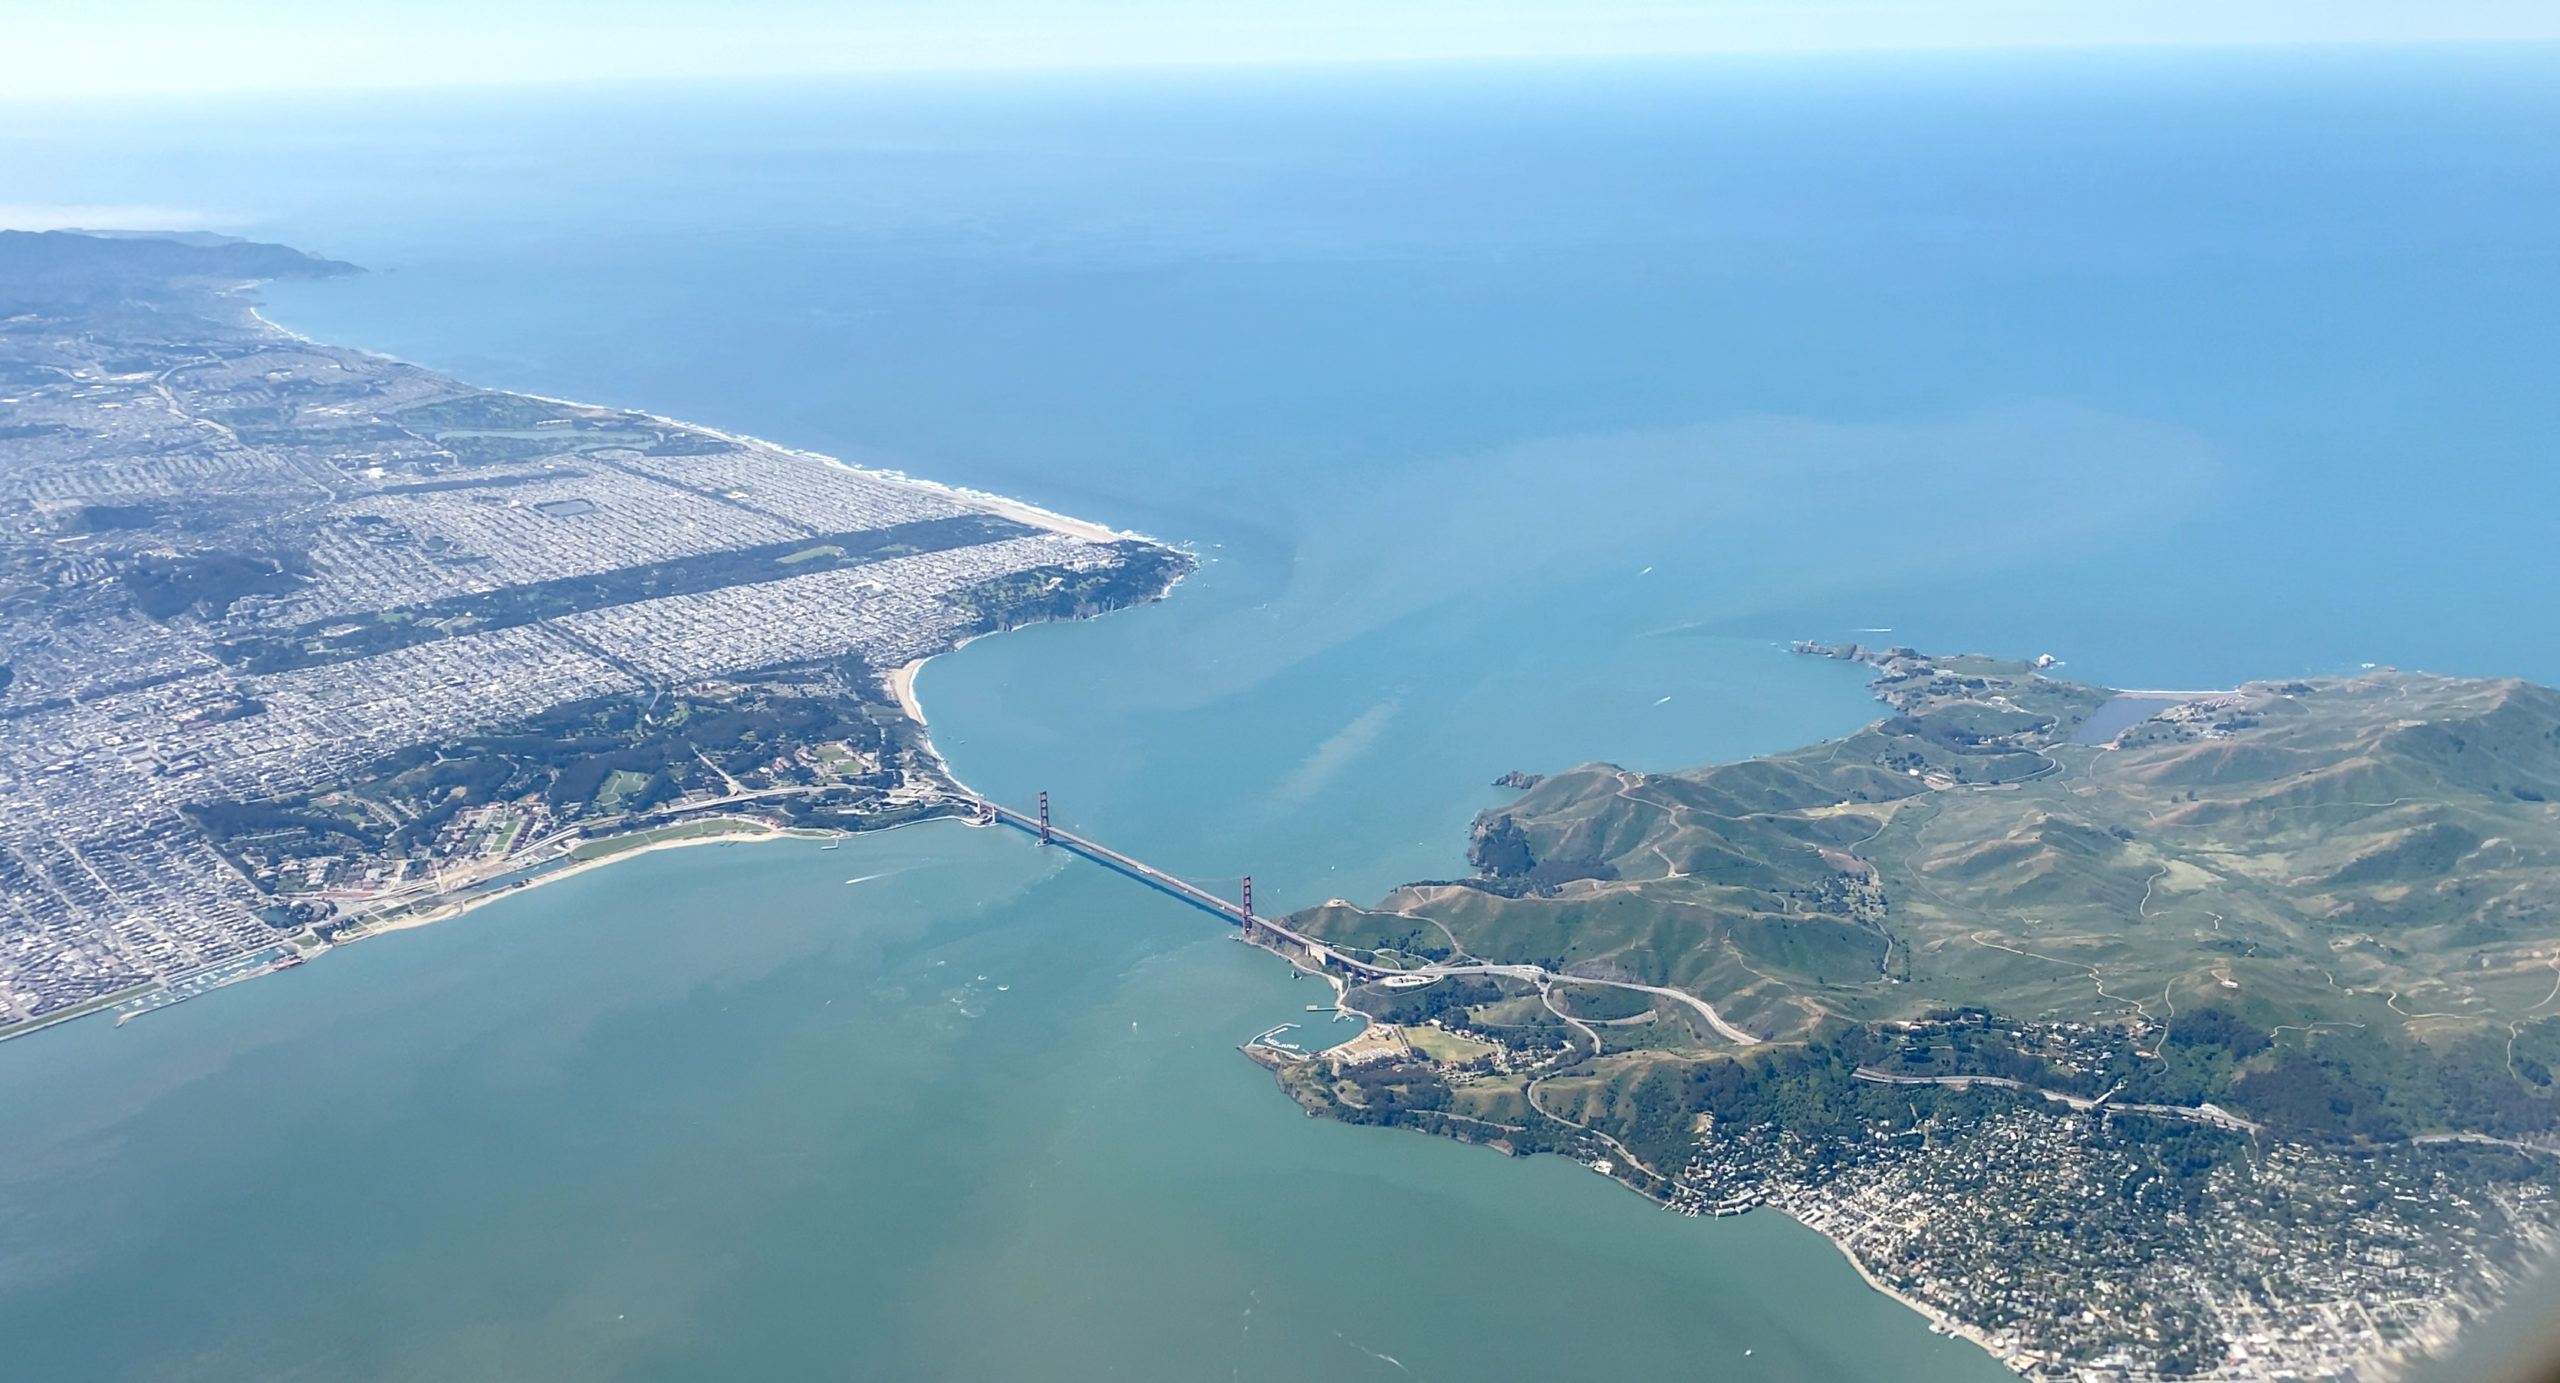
1234,914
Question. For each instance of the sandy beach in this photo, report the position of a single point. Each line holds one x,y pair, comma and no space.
902,685
432,912
1001,505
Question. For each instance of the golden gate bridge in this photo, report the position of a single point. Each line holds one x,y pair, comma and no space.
1238,914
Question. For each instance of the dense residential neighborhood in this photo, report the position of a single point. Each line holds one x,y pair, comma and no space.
239,568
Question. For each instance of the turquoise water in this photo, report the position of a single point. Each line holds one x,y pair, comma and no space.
715,1113
1519,417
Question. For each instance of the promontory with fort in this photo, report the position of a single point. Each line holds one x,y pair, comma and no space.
299,642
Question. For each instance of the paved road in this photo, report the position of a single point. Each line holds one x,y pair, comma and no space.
1542,977
2201,1114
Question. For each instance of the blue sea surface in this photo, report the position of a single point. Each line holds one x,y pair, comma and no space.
1520,417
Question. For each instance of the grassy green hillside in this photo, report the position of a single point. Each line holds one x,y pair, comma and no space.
2348,885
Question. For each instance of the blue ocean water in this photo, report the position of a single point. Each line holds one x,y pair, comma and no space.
2187,368
1519,415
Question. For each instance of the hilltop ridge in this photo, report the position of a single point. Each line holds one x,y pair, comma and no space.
2244,953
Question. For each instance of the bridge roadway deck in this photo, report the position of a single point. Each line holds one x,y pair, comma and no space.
1180,888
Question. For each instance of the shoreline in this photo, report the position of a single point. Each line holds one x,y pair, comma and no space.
1005,506
1939,1321
753,833
428,911
901,683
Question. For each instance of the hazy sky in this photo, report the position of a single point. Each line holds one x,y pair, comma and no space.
53,48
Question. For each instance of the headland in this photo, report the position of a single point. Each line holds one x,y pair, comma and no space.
2198,1034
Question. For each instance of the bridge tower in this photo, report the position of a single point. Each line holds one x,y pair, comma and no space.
1044,818
1248,905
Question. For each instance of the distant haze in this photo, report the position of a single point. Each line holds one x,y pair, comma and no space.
171,46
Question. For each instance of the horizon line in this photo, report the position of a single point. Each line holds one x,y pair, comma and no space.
1216,64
